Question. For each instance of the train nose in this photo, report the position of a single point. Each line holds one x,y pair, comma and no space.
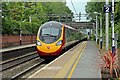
50,48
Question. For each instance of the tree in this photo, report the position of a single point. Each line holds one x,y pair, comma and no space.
16,12
98,7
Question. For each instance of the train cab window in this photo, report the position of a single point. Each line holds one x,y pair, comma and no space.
50,34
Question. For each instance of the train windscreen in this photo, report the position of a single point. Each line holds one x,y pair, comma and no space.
50,34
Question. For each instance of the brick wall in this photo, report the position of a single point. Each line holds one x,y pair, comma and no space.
13,40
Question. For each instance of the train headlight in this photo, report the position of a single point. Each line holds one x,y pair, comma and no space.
59,43
38,43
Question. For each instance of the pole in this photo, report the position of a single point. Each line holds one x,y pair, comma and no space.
100,31
30,26
20,34
66,18
79,16
96,31
113,35
90,33
107,28
116,38
59,17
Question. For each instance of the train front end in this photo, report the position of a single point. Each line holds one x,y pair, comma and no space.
50,39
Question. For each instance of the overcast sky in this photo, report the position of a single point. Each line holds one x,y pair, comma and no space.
79,6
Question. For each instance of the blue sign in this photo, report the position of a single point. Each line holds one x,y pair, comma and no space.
107,8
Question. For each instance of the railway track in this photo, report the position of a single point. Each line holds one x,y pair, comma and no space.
18,60
26,70
20,66
23,65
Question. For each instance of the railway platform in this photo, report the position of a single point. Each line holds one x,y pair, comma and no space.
16,51
16,47
81,61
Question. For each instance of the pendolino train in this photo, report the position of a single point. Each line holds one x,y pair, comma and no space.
54,36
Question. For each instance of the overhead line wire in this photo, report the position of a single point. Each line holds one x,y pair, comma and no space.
73,7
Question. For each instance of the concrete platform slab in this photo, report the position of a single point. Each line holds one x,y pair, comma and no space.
88,65
82,61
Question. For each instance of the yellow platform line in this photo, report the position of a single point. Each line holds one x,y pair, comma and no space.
69,64
73,68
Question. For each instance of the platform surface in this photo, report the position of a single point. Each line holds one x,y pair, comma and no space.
82,61
88,65
16,47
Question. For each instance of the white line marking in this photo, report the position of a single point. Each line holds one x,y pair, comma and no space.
53,68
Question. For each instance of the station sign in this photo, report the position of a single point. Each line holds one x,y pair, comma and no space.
107,8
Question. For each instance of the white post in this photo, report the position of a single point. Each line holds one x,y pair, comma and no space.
20,34
100,31
21,31
107,28
93,31
113,35
116,38
30,18
96,31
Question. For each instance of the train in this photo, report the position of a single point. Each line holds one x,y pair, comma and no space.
53,37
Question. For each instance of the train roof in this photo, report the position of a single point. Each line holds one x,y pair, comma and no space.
57,24
52,23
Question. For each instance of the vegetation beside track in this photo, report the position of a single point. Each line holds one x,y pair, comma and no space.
92,7
28,16
110,66
110,61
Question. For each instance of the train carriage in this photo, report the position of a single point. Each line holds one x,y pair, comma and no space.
53,36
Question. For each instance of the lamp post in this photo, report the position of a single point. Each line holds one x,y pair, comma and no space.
30,19
96,30
21,32
107,26
113,34
100,28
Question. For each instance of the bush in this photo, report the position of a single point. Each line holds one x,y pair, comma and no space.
111,64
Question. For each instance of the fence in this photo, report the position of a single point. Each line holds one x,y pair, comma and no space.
14,40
